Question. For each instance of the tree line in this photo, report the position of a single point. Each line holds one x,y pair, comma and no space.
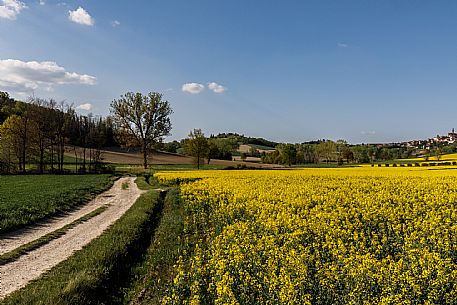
339,152
38,136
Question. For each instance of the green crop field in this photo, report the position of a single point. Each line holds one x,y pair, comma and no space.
27,199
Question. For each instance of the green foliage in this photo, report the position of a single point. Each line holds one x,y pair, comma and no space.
260,143
288,153
171,147
27,199
142,120
222,148
197,146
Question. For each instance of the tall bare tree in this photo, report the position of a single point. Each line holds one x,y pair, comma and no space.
142,120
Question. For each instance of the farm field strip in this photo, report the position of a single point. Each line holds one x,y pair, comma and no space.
17,274
318,236
35,244
28,199
12,240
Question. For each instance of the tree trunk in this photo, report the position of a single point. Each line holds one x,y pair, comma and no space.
145,157
24,145
62,153
84,158
76,160
52,156
41,159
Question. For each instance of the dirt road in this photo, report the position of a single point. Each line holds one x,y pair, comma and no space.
30,266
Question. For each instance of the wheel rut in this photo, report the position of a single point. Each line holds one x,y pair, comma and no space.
30,266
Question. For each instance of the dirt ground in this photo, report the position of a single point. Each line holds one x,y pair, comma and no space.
119,157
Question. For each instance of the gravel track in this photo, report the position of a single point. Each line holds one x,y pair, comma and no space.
17,274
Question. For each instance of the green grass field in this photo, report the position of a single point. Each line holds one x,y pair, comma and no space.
262,147
27,199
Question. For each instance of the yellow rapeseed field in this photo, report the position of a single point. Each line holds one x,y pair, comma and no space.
318,236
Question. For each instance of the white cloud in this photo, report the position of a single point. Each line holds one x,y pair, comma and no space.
193,88
115,23
42,2
216,88
369,133
11,8
86,106
342,45
81,16
24,77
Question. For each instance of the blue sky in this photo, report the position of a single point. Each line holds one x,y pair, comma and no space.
364,71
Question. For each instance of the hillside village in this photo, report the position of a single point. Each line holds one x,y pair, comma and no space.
428,144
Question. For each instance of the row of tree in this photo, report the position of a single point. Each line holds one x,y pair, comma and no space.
37,134
41,132
333,151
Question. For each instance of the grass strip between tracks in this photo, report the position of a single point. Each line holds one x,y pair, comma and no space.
35,244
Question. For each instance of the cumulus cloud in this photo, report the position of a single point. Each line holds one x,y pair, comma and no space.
9,9
193,88
24,77
81,16
86,106
342,45
115,23
216,88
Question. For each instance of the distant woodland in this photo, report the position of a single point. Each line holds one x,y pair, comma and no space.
46,136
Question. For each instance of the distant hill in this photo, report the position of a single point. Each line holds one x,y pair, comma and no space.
118,156
259,143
